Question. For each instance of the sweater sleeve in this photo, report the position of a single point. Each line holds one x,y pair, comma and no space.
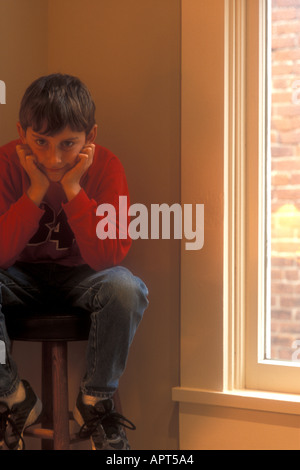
17,225
82,216
19,216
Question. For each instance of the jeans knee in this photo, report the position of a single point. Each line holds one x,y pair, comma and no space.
123,291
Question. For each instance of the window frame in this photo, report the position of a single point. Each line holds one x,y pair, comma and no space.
246,288
212,285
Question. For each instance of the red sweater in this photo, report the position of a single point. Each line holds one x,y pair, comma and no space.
60,231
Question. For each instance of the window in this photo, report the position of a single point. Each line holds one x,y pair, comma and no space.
283,204
256,216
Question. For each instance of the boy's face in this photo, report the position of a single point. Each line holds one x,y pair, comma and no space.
57,154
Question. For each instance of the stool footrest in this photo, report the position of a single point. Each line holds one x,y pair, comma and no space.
40,433
48,434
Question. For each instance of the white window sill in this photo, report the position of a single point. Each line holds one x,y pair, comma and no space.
243,399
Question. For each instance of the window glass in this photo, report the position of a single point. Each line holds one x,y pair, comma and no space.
283,183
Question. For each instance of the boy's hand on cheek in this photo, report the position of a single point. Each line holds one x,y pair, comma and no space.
71,179
39,181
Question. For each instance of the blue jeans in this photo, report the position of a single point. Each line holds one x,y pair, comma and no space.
114,298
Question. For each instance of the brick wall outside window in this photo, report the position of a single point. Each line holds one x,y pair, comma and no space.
285,179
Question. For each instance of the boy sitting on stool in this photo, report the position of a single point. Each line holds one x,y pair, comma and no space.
51,182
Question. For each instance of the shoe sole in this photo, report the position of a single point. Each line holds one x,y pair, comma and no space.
32,418
79,419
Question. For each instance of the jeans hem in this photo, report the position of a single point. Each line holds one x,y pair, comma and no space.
97,394
12,389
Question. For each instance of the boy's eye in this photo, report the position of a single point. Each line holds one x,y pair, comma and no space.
41,142
68,144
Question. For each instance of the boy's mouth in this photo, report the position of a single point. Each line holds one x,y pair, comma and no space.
46,170
54,174
54,170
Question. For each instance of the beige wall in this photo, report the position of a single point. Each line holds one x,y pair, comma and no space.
223,428
202,132
23,55
128,53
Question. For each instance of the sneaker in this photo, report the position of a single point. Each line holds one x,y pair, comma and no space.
14,420
102,424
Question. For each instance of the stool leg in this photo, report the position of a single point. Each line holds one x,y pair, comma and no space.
60,395
47,417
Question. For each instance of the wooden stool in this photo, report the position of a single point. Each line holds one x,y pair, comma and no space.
54,330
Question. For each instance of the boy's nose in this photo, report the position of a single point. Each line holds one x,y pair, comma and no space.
54,158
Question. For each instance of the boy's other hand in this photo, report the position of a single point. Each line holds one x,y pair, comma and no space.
71,179
39,181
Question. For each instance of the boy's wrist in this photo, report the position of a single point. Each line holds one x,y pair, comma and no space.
71,191
36,195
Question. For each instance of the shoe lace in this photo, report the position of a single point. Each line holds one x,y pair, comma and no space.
109,420
5,420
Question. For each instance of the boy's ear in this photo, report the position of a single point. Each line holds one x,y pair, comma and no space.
92,135
21,132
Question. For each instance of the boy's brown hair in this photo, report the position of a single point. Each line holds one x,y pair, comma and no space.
53,102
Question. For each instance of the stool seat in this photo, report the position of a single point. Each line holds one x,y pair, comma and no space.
54,325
